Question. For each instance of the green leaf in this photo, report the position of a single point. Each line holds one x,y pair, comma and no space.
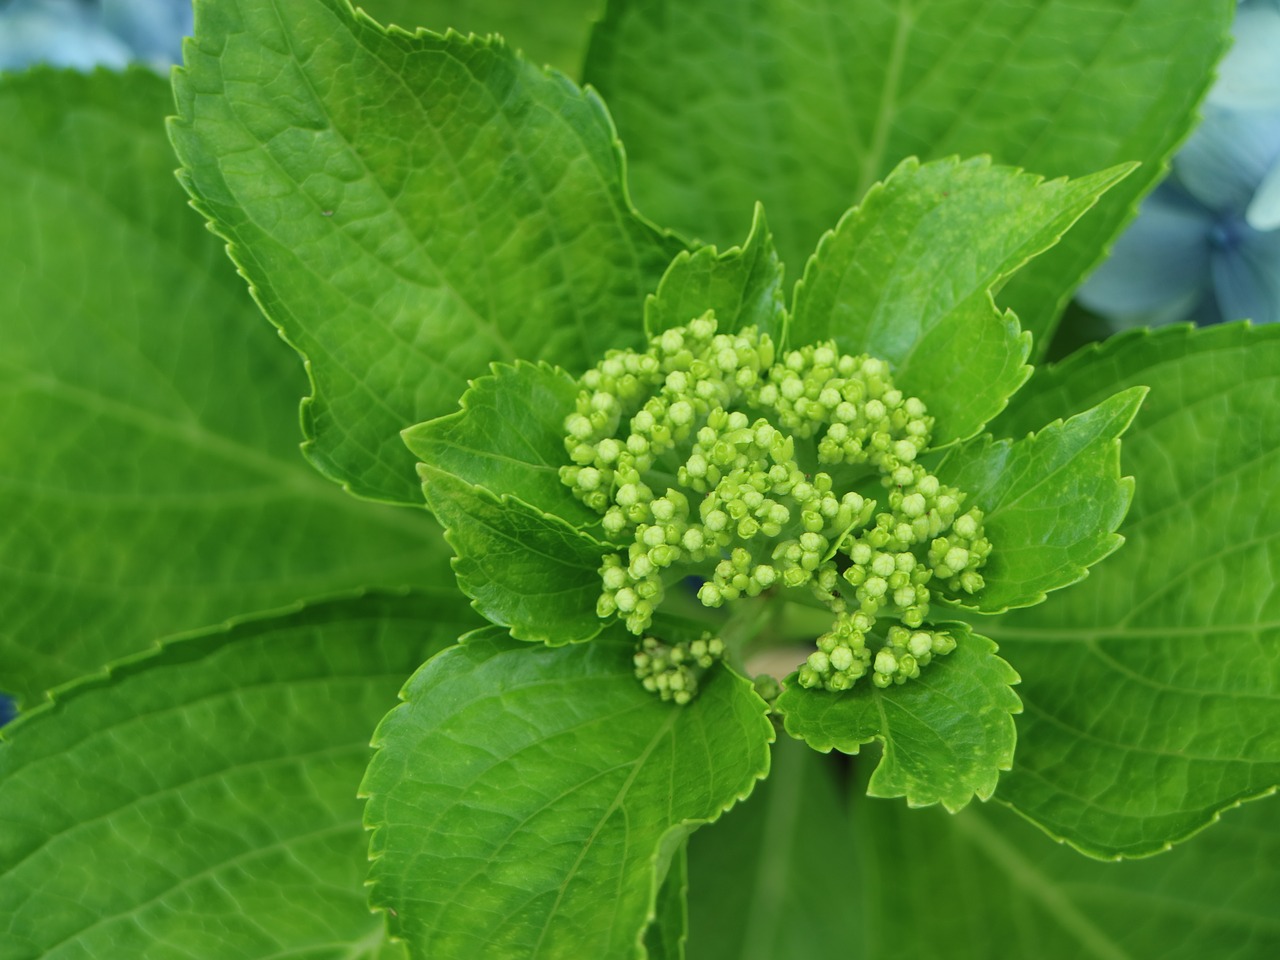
665,936
804,104
407,209
556,792
550,31
908,277
509,439
1052,501
779,877
743,286
178,806
947,734
523,569
997,888
149,468
1153,687
815,875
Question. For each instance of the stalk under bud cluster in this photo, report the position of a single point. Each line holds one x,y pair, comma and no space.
694,453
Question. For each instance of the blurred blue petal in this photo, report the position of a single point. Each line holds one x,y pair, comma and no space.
83,34
63,33
1160,263
1227,157
1247,278
153,29
7,710
1249,78
1264,209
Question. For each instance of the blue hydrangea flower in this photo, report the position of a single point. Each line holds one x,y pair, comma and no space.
1206,243
83,34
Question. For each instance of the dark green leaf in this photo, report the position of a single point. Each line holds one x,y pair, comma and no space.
407,209
149,467
779,877
525,570
791,876
199,800
665,937
743,286
509,438
908,277
1153,687
947,734
803,104
525,801
1052,500
984,885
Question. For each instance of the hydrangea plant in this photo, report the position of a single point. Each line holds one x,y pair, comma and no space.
652,527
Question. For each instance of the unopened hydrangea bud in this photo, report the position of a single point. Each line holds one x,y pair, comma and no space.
717,417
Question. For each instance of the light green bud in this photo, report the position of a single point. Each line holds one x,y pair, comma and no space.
886,662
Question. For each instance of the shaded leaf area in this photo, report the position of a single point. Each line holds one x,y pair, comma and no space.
1052,501
947,734
742,285
778,878
509,437
985,885
804,104
553,777
802,871
907,276
523,569
150,471
667,932
407,209
554,32
1151,688
199,800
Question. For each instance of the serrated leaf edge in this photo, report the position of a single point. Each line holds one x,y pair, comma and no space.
238,256
501,501
123,667
911,164
681,830
853,747
497,370
1113,540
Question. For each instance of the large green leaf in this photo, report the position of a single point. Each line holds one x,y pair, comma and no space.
1052,501
805,103
907,276
799,872
779,877
149,468
947,734
549,31
407,209
1152,689
526,801
523,569
982,885
199,800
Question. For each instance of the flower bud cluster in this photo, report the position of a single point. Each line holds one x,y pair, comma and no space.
689,452
672,671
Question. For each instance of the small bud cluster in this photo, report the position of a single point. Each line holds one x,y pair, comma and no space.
672,670
689,452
